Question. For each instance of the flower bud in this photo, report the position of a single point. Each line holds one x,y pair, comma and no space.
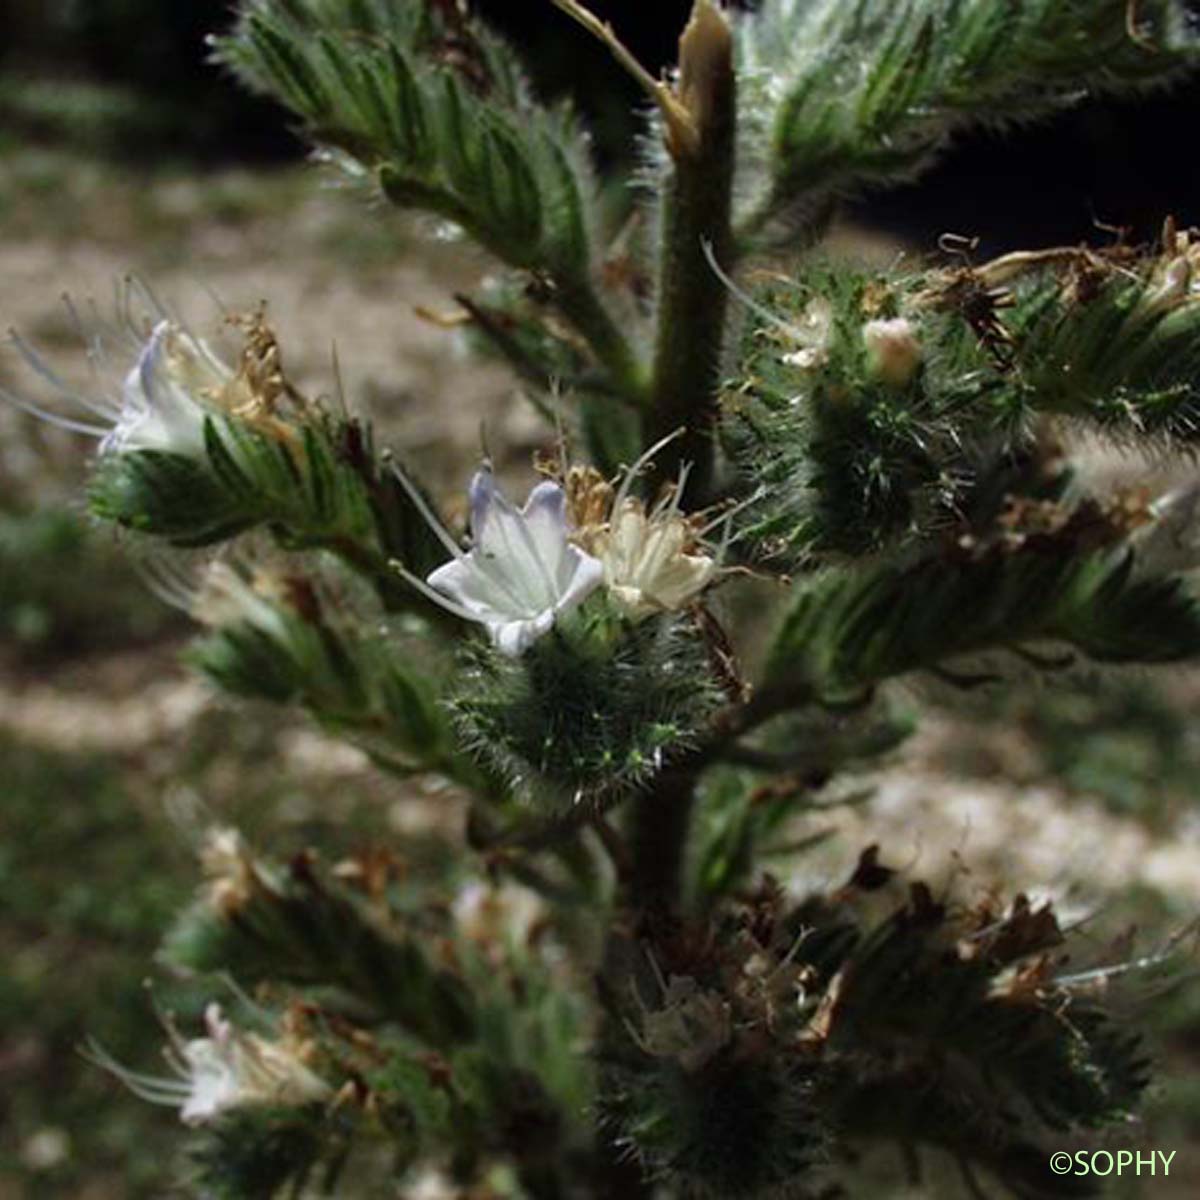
893,351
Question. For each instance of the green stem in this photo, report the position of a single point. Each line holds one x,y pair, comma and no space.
658,838
692,300
661,817
700,123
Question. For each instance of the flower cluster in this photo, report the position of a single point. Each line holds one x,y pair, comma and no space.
529,566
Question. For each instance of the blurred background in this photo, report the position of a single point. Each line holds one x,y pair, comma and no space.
122,150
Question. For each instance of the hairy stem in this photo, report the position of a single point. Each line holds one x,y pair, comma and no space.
699,129
692,301
659,834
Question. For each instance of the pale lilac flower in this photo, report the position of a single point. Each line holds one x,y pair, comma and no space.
167,395
157,403
522,572
226,1070
174,383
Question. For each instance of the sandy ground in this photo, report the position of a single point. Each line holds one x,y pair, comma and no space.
414,379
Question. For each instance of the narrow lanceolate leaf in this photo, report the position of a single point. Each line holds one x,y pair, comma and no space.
847,631
437,108
1123,360
354,680
167,496
836,95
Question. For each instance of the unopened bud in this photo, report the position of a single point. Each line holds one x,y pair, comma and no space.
705,64
893,351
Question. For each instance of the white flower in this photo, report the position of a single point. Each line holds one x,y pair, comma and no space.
233,876
692,1026
163,405
521,573
650,564
176,381
226,1070
158,403
492,915
653,558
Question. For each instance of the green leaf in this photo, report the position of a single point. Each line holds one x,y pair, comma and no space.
328,659
848,630
592,711
294,925
169,496
438,110
837,95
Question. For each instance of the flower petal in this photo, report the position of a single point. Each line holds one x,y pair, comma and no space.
545,514
513,638
506,549
157,411
585,575
521,571
461,580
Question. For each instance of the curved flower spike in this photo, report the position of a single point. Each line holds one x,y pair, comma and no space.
226,1070
521,573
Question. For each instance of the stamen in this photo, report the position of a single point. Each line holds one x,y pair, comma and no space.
53,418
427,514
92,343
758,493
632,473
139,286
433,594
753,305
168,580
246,1001
38,365
668,506
153,1088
